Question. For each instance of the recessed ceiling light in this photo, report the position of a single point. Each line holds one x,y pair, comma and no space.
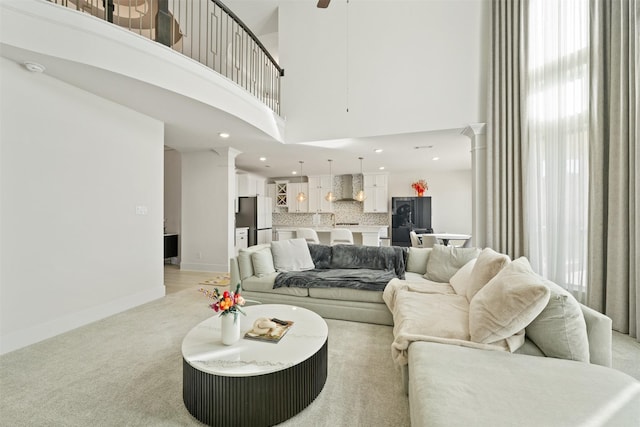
381,168
263,159
224,135
34,67
294,172
436,158
378,150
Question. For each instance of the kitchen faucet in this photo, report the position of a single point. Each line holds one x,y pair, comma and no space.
333,220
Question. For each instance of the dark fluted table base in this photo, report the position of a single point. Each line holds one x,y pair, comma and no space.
261,400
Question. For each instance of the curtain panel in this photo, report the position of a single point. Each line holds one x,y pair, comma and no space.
556,185
614,183
506,128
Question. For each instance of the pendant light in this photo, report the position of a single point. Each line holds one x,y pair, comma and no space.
301,197
330,197
361,196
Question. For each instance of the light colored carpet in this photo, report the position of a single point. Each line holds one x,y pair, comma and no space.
127,371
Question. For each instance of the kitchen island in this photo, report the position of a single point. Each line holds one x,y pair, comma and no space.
363,235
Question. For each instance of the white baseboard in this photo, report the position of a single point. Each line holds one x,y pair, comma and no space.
24,337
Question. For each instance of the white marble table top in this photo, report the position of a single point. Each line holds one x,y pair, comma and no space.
202,347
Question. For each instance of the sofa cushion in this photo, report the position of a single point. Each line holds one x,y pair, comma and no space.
291,255
445,261
245,264
488,264
415,277
434,315
417,260
262,261
265,284
560,330
460,281
507,304
457,386
387,258
346,294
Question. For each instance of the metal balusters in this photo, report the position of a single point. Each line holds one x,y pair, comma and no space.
204,30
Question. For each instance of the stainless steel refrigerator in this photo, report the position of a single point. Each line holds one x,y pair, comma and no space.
409,214
255,213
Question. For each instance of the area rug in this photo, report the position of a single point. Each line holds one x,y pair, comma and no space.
222,280
127,370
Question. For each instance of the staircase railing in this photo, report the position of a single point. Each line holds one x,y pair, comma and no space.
204,30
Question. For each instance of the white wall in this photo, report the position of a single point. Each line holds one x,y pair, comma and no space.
450,192
405,66
74,167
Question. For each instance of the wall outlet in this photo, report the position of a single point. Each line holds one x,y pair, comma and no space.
142,210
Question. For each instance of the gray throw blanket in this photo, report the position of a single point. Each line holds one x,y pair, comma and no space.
345,266
355,278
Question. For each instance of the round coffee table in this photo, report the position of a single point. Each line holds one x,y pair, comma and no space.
252,382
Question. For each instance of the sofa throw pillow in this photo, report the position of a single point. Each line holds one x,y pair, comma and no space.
488,264
245,264
321,255
263,262
560,330
291,255
460,281
507,304
417,260
445,261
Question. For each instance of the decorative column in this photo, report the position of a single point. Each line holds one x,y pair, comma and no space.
208,213
477,134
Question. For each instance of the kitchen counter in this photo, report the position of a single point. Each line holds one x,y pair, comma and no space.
365,235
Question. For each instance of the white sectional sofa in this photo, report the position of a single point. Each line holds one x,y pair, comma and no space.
471,332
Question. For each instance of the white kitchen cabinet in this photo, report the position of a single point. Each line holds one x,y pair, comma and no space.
264,237
245,185
295,206
375,189
249,185
319,186
260,185
263,213
271,193
242,238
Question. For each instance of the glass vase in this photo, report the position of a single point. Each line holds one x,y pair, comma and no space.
230,328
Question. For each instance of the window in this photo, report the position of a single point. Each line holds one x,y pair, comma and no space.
557,123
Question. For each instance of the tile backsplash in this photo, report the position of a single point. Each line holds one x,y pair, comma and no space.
345,212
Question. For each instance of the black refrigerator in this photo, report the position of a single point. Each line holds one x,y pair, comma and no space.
409,214
255,213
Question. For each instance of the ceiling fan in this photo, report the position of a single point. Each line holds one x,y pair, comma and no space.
322,4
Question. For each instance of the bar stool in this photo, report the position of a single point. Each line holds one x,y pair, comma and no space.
309,234
341,236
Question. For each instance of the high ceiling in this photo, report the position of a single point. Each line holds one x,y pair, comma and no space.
191,125
439,150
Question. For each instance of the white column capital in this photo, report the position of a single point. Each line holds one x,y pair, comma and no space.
474,129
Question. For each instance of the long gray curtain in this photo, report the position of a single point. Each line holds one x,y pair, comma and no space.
614,183
506,141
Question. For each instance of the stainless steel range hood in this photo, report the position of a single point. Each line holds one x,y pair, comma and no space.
343,187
